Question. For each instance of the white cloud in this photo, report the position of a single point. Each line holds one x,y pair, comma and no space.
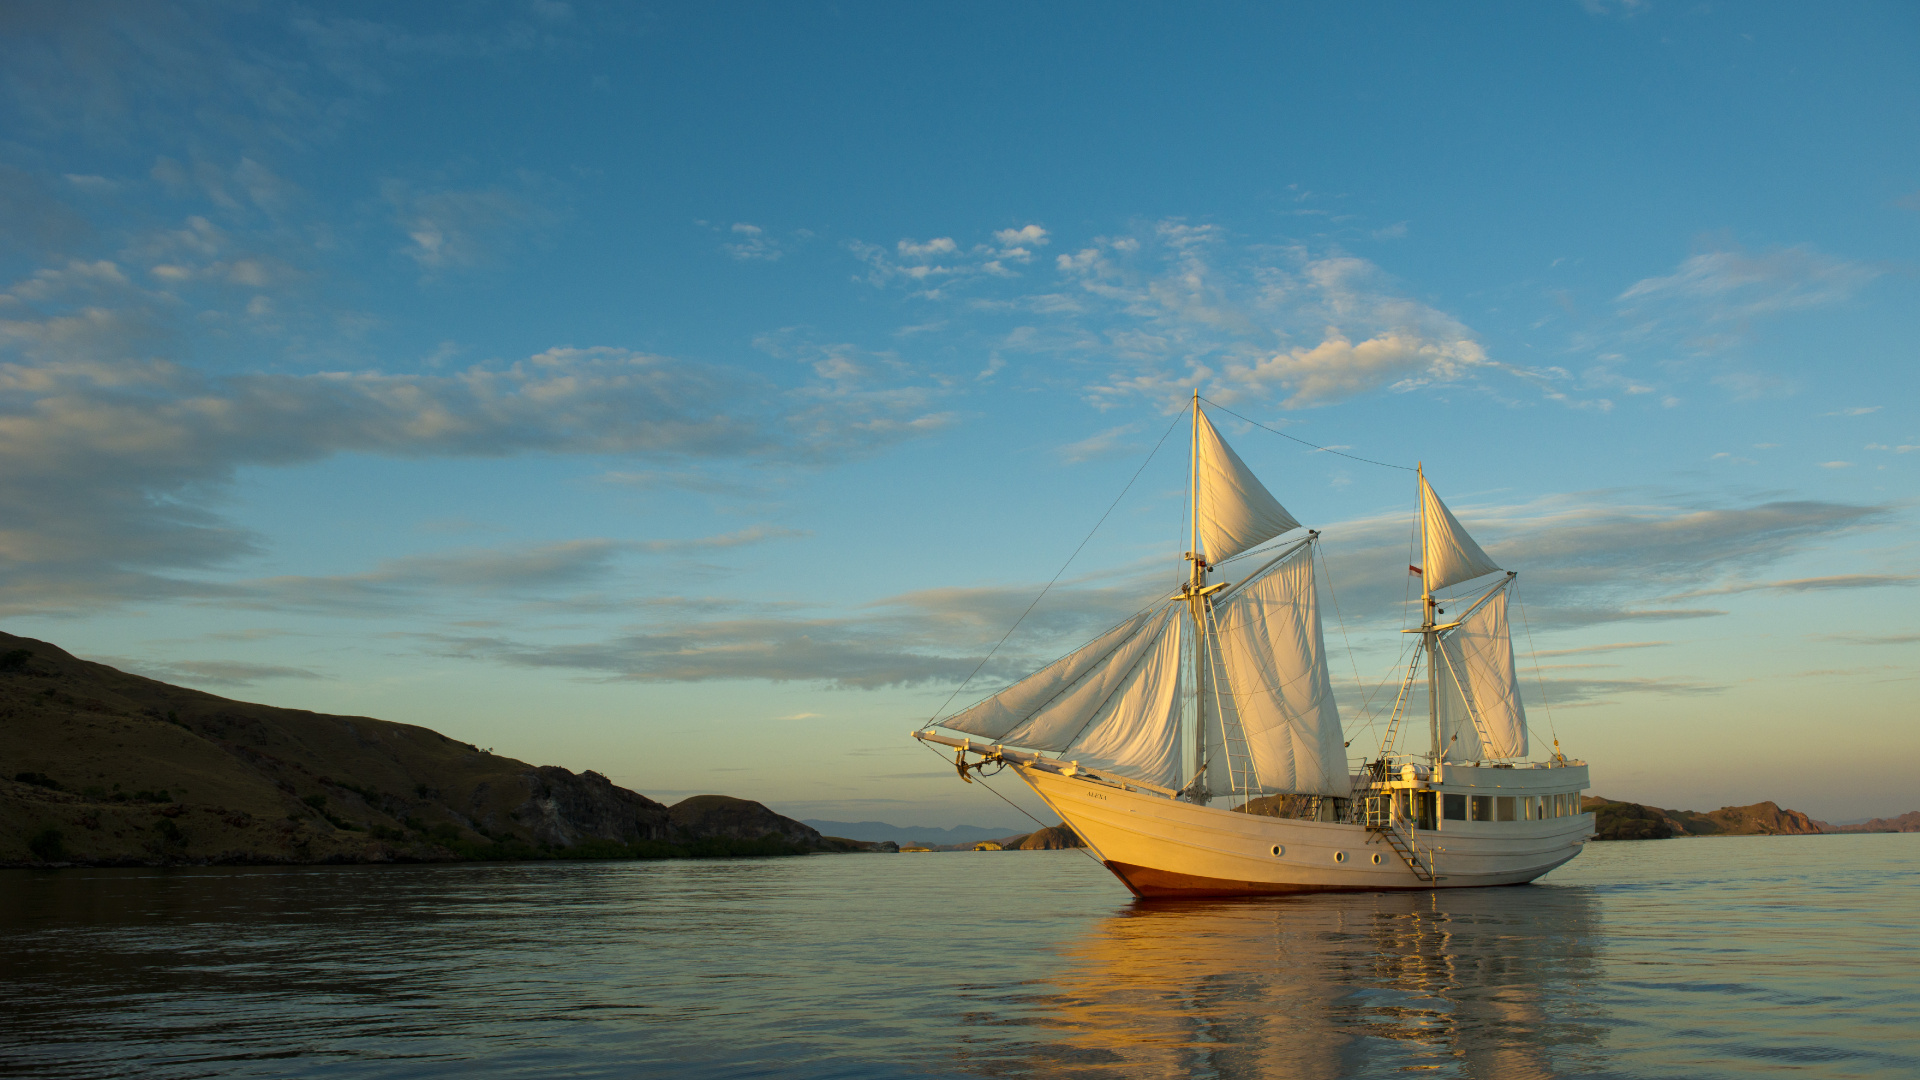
927,264
1337,369
1153,313
1110,441
939,246
1861,410
465,229
751,243
1723,286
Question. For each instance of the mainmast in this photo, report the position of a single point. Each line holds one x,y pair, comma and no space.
1196,603
1428,635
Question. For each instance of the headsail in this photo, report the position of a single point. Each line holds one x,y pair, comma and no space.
1233,511
1477,687
1451,555
1269,686
1112,704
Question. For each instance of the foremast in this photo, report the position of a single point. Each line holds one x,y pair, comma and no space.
1197,594
1429,637
1472,688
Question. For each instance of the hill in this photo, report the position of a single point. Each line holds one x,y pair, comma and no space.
1907,822
108,768
1616,820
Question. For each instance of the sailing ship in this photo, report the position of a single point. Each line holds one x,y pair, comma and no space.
1198,750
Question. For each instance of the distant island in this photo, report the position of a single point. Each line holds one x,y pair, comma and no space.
1616,820
958,838
102,768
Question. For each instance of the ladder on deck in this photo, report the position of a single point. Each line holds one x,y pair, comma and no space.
1379,818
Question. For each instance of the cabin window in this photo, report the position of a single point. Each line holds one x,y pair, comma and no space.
1504,804
1529,808
1454,807
1423,809
1483,808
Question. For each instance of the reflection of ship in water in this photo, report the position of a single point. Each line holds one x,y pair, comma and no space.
1471,984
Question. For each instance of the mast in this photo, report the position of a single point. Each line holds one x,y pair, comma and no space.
1193,491
1429,636
1195,602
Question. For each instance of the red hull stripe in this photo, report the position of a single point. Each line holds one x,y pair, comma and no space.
1152,884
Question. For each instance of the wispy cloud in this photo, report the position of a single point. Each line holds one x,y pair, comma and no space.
751,243
223,673
1812,584
1709,304
753,534
1585,562
928,265
1101,444
111,465
1737,285
1870,639
1615,647
1587,559
448,228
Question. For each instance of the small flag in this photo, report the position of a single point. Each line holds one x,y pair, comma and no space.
1414,570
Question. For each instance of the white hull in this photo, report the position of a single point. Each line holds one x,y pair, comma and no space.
1161,847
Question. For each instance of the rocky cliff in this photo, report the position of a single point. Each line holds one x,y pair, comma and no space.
1053,838
112,768
1615,820
1907,822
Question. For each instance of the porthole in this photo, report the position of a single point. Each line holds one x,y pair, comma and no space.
1279,849
1339,856
1376,858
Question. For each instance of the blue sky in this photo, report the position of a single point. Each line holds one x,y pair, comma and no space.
695,393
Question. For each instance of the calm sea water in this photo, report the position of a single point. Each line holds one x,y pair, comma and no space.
1732,957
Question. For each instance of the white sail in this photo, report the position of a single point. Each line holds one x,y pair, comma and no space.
1233,511
1272,681
1451,556
1481,717
1137,732
1007,710
1056,705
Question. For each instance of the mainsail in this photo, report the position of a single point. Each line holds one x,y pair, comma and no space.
1268,682
1112,704
1264,721
1478,689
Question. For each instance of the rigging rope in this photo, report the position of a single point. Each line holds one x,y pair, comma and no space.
1303,442
1054,580
1538,683
982,781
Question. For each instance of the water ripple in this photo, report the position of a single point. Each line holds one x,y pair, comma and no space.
1696,958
